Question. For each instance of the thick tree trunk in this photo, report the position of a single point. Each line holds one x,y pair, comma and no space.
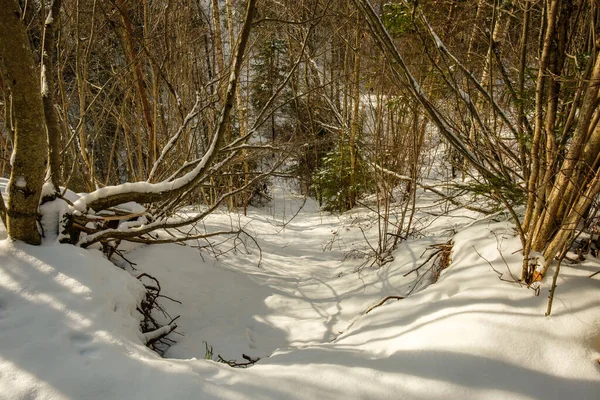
30,146
567,182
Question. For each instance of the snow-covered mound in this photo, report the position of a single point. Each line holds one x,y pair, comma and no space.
69,325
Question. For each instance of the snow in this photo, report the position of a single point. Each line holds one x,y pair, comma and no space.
158,333
52,214
20,182
4,187
49,19
69,328
44,88
47,188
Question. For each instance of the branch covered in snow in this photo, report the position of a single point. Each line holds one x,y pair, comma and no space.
153,336
138,230
444,50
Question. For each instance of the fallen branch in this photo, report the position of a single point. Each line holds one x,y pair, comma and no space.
235,364
382,302
155,333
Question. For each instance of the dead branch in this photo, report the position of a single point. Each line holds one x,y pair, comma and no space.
158,334
155,334
442,252
500,274
382,302
235,364
456,202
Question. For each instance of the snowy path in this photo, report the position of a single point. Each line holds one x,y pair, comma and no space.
305,292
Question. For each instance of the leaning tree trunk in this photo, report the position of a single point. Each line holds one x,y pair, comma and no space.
30,146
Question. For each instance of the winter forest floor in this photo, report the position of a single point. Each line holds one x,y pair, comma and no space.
69,328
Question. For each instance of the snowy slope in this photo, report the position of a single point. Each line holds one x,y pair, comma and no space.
68,325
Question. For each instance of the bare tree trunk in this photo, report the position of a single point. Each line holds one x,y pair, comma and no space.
355,115
52,126
565,183
81,75
30,146
473,35
534,196
502,24
240,107
522,119
216,16
134,62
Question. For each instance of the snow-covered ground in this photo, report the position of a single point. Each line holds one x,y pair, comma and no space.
69,325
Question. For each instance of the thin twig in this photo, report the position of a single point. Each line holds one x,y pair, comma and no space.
500,274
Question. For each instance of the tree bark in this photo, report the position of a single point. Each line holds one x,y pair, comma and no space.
242,122
30,146
136,66
535,195
355,115
581,142
48,96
